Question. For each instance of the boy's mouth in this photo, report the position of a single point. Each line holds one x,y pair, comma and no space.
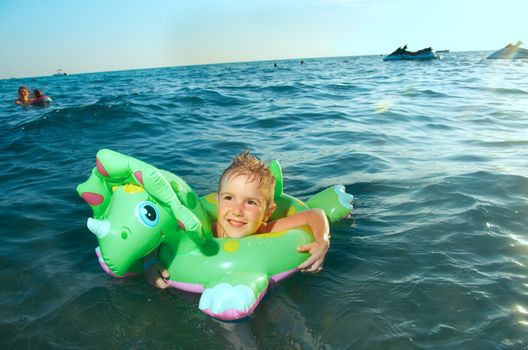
235,223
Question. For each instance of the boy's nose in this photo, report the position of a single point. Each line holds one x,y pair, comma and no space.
238,209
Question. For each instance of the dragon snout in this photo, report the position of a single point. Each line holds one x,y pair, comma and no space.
99,227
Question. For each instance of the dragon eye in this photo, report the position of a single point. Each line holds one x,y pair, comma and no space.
147,213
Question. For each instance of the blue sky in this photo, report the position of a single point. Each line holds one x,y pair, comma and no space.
38,37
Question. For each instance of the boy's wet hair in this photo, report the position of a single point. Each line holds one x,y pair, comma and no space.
37,93
22,87
255,169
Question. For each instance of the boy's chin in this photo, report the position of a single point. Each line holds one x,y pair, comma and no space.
236,233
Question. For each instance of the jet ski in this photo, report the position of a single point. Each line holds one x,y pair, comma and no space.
401,53
510,52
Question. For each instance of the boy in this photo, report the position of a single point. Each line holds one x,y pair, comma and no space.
245,202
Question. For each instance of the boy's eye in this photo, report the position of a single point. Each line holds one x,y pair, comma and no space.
227,198
251,202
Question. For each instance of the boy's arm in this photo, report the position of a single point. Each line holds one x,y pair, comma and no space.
155,273
318,223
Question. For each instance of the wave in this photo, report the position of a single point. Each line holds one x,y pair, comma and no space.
199,96
428,93
81,115
499,90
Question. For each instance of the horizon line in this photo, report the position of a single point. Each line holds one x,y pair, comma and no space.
216,63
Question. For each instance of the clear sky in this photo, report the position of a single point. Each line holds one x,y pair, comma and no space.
38,37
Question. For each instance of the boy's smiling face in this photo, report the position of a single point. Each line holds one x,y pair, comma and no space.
242,206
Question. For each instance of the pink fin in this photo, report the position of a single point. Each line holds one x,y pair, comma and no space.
181,224
92,198
107,269
139,176
282,275
100,167
188,287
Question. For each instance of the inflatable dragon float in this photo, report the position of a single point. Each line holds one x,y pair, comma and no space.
138,208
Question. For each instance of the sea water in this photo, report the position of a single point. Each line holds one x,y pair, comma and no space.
435,255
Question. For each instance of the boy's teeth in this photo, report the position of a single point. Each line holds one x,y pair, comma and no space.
236,223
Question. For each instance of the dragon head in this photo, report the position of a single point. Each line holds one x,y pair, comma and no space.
132,225
136,207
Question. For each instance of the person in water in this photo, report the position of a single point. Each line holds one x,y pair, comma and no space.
40,98
245,203
38,93
23,96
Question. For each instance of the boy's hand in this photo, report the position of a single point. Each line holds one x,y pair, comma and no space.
157,275
315,262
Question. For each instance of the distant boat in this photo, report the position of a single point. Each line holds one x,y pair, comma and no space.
442,51
60,72
401,54
510,52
